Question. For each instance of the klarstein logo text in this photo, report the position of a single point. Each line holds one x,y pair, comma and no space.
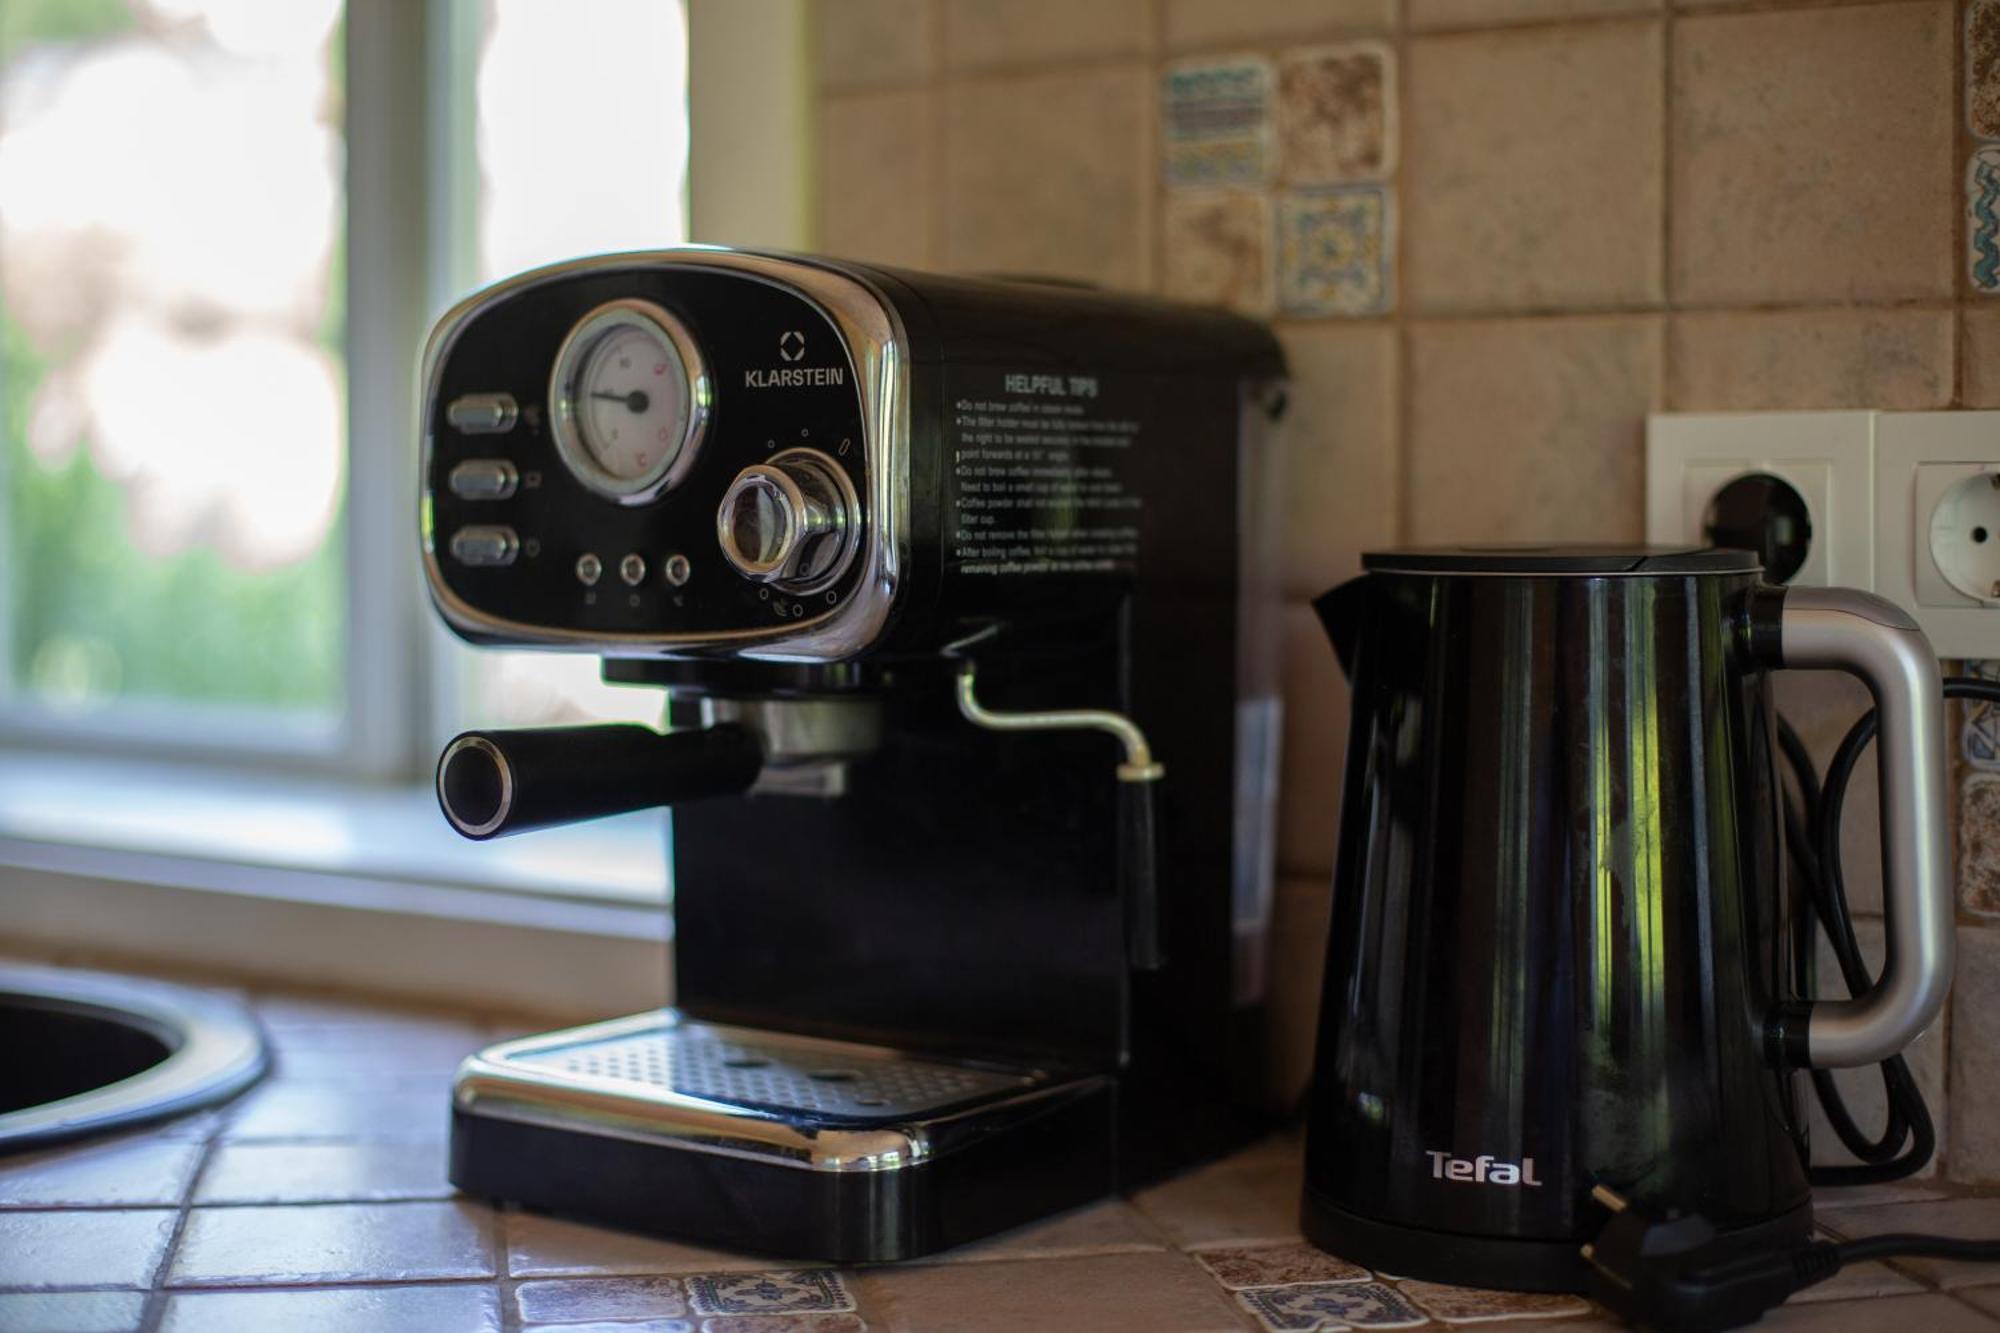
1483,1170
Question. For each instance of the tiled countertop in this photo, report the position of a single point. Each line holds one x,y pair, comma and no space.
318,1201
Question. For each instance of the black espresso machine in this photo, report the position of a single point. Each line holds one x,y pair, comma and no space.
962,597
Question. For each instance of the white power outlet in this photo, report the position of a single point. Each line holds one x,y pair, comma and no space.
1937,486
1827,457
1903,504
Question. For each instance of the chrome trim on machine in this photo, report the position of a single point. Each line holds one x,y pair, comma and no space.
876,346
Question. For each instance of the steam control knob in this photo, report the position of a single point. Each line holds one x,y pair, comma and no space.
791,521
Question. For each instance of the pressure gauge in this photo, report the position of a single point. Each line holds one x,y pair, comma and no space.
628,400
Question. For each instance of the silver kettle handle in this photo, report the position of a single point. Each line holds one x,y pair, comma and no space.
1876,641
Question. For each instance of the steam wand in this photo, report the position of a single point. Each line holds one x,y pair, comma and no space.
1138,868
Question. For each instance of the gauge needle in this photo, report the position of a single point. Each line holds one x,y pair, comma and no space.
636,400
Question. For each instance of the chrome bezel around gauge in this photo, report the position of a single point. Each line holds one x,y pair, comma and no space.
875,345
574,355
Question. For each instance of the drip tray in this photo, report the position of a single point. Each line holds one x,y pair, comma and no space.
832,1080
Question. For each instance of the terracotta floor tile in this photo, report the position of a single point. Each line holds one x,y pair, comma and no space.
73,1311
1114,1227
423,1309
88,1249
128,1172
365,1053
324,1173
1222,1205
784,1323
624,1326
1934,1313
600,1298
1857,1281
337,1242
1968,1218
341,1112
1118,1293
540,1246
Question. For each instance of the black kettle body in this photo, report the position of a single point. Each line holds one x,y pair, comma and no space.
1561,952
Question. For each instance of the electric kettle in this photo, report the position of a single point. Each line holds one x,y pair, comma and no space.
1563,955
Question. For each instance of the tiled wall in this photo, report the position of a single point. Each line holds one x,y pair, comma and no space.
1493,235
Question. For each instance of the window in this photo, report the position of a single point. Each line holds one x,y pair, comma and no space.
200,479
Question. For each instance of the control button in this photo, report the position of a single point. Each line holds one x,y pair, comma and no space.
791,521
484,546
633,570
484,479
483,413
589,569
678,569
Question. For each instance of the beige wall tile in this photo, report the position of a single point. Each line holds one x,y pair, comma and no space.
1482,13
1200,23
1530,430
1982,356
1298,961
877,184
868,43
1813,155
1337,113
1218,248
1979,844
1810,359
1975,1057
987,34
1532,173
1340,451
1315,746
1052,174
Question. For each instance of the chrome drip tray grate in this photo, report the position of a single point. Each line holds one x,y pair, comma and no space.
768,1070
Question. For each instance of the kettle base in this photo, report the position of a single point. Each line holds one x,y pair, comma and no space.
1499,1263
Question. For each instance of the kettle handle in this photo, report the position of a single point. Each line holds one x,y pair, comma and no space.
1876,641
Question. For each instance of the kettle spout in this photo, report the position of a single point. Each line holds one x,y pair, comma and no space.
1340,612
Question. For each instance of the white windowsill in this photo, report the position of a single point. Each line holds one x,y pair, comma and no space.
321,882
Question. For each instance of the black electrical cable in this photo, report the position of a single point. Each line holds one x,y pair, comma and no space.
1816,862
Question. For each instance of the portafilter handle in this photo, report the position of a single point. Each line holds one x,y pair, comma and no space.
495,782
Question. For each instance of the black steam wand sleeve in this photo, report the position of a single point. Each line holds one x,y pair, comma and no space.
495,782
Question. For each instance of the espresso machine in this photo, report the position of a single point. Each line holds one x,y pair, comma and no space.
962,597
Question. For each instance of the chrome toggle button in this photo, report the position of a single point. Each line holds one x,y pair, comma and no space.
483,413
485,546
484,479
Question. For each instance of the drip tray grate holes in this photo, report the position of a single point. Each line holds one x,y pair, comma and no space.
697,1062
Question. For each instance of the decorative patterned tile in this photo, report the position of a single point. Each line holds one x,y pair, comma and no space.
625,1326
128,1172
600,1298
1335,251
418,1309
73,1311
1472,1305
1216,121
1337,114
1979,839
785,1323
335,1242
1317,1305
39,1251
1982,68
1279,1266
1982,206
795,1291
1218,249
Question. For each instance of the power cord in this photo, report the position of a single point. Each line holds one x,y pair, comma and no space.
1670,1271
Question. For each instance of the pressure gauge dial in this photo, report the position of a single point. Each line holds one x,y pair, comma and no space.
628,401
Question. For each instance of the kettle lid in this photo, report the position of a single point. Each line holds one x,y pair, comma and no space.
1559,560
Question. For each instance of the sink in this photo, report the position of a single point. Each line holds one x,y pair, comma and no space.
87,1052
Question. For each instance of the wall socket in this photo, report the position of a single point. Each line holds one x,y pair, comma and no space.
1902,504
